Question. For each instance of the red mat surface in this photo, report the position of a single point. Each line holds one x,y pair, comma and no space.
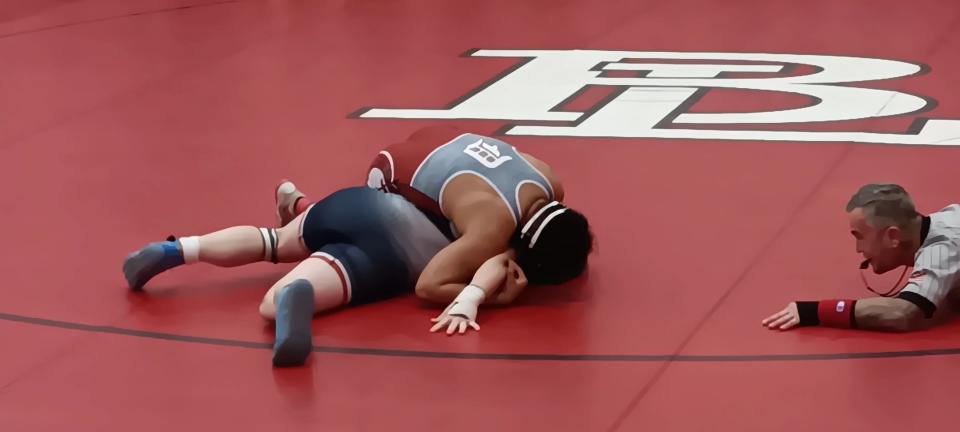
124,121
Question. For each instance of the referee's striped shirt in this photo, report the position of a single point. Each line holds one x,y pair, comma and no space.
936,270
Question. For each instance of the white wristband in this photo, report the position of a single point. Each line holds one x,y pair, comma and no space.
467,302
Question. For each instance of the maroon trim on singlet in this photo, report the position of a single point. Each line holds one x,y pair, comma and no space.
344,280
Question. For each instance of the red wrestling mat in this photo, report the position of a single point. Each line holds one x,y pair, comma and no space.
124,121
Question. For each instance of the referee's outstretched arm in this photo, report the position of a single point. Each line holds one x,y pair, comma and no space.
878,313
890,233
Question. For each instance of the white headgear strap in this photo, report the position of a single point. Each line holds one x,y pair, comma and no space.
551,210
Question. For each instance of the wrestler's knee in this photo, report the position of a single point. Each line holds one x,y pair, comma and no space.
268,310
290,247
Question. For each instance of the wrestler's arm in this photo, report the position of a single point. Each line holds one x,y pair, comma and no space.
471,258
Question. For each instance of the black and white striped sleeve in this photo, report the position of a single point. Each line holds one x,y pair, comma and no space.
935,273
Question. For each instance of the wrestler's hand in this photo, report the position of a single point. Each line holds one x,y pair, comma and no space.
462,312
513,285
786,319
453,323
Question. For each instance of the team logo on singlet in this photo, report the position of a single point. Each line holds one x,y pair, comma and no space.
654,95
487,154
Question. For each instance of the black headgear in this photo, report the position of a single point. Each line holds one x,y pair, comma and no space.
552,246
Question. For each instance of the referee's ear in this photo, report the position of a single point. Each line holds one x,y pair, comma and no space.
894,235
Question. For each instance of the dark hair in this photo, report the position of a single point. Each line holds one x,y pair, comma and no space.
554,245
884,205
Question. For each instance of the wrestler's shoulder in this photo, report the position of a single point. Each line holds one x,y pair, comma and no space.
547,172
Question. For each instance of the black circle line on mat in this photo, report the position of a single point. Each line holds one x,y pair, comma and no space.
482,356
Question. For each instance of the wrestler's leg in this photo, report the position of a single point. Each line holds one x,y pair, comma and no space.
355,263
326,276
230,247
291,202
319,283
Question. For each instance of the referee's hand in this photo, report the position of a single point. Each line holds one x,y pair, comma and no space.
786,319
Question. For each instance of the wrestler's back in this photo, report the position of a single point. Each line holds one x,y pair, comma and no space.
420,170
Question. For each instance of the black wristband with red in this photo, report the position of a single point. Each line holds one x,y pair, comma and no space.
828,313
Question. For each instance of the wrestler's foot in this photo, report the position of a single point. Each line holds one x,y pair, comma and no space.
294,339
155,258
286,198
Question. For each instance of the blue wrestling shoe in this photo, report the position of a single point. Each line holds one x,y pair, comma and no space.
155,258
294,340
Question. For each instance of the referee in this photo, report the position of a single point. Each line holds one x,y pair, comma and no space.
890,233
